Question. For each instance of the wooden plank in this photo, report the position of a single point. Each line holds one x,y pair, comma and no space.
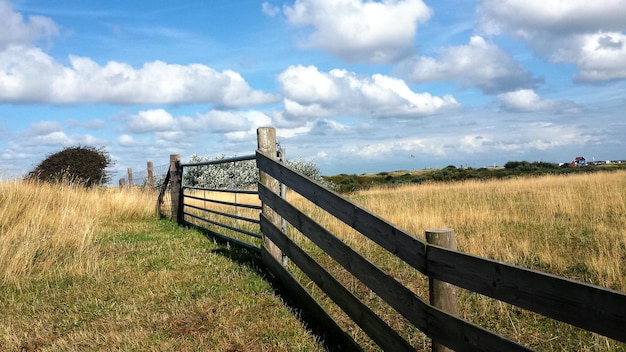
592,308
222,190
457,334
397,241
384,336
241,205
228,215
333,336
220,237
221,161
460,335
232,228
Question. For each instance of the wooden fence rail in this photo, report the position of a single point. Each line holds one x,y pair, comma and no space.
589,307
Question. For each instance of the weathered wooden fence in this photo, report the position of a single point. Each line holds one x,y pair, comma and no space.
589,307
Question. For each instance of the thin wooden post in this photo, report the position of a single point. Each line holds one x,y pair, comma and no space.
150,181
442,294
176,188
122,183
281,154
130,177
266,140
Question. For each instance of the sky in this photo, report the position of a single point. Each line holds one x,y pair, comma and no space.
357,86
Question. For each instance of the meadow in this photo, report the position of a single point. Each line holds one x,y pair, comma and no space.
95,269
568,225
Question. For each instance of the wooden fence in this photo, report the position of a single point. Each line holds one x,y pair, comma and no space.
589,307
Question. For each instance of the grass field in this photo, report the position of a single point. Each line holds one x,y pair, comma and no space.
95,270
573,226
569,225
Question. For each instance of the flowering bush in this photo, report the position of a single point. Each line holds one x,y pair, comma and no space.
241,174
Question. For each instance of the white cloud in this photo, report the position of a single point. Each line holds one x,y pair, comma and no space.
60,139
170,136
168,127
14,30
229,121
601,57
478,142
270,10
43,128
590,34
480,64
323,127
126,140
93,124
389,148
222,121
152,121
57,138
526,100
527,19
29,74
310,93
360,31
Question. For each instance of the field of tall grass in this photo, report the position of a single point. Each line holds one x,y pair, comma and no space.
51,230
95,270
572,226
569,225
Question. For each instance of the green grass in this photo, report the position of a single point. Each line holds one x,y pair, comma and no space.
158,287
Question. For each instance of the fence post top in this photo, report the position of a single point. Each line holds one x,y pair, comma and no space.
440,230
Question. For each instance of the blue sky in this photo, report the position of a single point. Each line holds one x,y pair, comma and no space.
357,86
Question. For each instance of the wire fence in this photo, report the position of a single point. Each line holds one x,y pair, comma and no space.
151,177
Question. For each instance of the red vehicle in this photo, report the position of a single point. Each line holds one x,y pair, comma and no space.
578,161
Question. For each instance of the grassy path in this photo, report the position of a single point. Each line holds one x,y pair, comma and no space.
157,288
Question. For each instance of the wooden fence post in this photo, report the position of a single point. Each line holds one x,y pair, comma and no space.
442,294
175,188
266,140
150,180
130,177
122,183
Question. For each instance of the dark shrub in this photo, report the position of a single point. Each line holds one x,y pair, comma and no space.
84,165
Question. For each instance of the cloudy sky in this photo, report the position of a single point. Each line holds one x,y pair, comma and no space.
356,85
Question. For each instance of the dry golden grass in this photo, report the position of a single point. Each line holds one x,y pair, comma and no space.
568,225
49,229
93,270
572,226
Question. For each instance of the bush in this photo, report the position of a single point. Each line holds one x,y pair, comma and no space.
82,165
225,176
526,166
243,175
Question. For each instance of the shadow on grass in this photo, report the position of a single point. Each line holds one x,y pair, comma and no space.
332,337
